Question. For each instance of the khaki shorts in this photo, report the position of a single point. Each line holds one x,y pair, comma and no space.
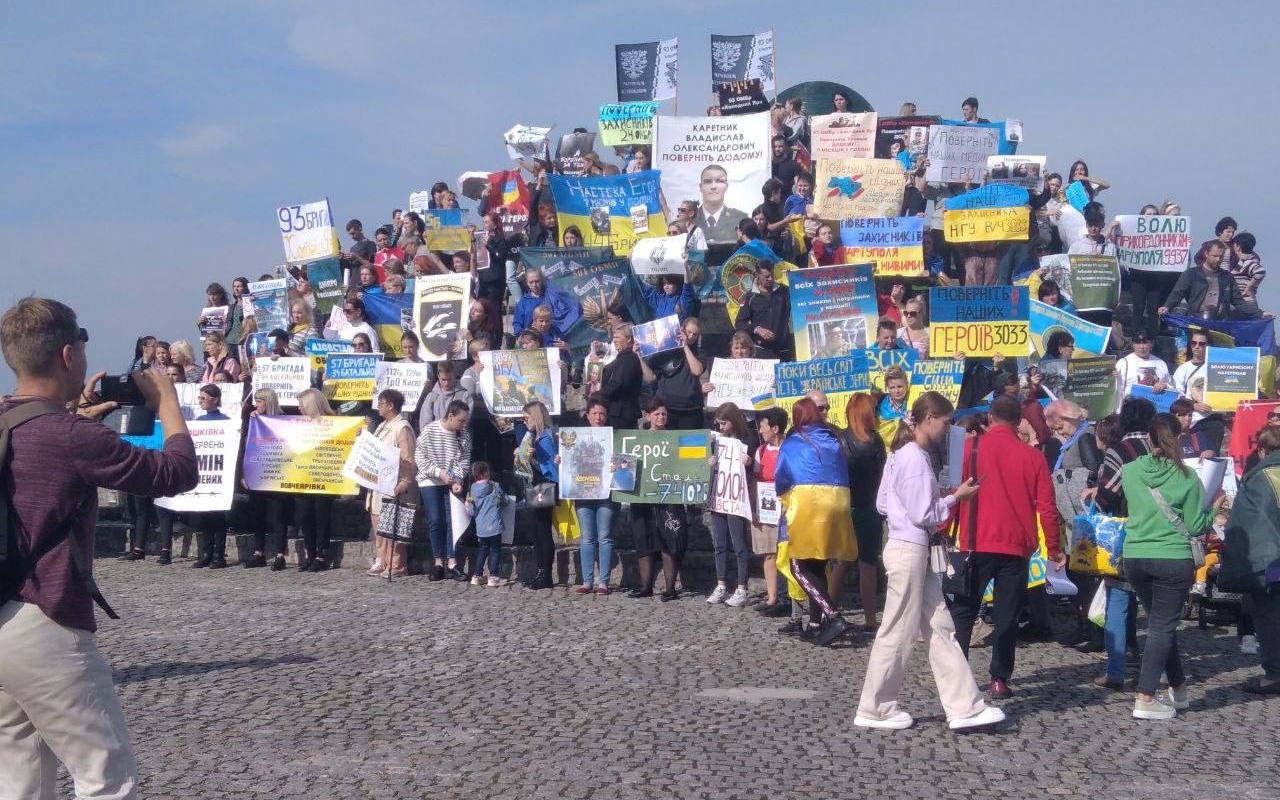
764,539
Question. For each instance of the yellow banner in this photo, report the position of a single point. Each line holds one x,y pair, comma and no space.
300,455
447,240
987,224
979,339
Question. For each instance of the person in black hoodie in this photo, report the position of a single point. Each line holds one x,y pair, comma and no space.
622,380
766,315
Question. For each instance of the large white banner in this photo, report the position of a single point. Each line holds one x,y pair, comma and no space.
846,135
286,376
958,154
719,163
307,231
217,451
1154,243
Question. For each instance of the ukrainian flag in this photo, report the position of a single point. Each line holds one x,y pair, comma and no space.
611,210
693,445
387,314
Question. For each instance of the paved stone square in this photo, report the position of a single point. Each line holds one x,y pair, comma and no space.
251,684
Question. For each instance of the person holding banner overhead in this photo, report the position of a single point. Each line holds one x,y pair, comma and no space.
392,555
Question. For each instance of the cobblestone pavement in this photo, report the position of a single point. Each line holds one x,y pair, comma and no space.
252,684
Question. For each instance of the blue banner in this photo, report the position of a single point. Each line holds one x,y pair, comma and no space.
1163,401
833,310
993,195
1046,319
979,304
1259,333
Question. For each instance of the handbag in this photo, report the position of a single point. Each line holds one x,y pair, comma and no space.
1097,543
540,495
1197,544
959,578
398,524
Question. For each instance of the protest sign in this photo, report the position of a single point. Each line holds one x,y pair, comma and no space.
509,197
1004,145
627,123
1077,195
307,231
325,277
657,336
217,452
1091,382
878,361
1251,418
987,225
729,490
1094,284
843,135
350,376
942,375
586,455
373,464
767,503
738,275
1045,319
557,261
317,349
1024,171
833,310
671,466
837,378
604,208
270,304
419,201
858,187
993,195
1153,243
895,245
441,304
910,132
231,403
445,232
525,141
745,382
286,376
1163,401
733,152
406,377
213,319
740,58
647,70
592,289
300,455
1231,375
741,97
959,154
659,255
511,379
574,152
979,320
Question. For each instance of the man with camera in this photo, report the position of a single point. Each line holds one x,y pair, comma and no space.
57,701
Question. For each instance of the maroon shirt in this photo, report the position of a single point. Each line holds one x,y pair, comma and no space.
56,463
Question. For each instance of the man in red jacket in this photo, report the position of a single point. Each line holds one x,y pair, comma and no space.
998,527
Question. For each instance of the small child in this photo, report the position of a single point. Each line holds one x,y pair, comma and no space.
485,502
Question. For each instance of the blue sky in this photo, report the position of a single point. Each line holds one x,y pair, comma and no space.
146,145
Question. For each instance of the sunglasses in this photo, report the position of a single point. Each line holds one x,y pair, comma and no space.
824,409
910,313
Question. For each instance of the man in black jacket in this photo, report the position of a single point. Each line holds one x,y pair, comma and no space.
1209,291
766,315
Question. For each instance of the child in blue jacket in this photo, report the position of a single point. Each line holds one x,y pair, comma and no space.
485,502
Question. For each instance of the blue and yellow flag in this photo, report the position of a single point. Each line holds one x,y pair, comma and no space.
390,315
612,210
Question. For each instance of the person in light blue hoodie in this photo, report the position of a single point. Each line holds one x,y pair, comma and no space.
484,503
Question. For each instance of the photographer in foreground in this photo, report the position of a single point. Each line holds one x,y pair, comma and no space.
57,701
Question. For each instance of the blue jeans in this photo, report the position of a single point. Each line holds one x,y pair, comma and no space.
1121,620
1162,586
595,518
435,500
513,285
490,550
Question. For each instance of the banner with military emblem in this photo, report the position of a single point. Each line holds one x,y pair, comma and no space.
599,287
440,306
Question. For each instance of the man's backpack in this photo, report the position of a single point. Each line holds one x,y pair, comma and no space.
15,567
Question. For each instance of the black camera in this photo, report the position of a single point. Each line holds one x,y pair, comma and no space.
121,389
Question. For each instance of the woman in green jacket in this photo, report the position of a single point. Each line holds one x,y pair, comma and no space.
1165,498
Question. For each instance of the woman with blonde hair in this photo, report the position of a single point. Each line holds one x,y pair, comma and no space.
219,358
181,353
391,554
914,332
314,512
535,463
914,605
301,327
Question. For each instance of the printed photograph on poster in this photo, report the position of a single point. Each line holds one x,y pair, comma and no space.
213,320
623,467
767,503
658,336
1024,171
833,309
586,455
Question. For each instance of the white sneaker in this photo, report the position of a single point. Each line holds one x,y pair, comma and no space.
1249,644
1156,709
718,595
987,716
1199,589
739,598
1177,697
897,722
493,583
376,569
475,581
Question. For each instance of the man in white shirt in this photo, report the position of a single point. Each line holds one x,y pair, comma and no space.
1142,368
353,309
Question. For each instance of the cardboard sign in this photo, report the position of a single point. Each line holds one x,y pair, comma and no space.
894,245
745,382
1153,243
959,154
671,466
979,320
987,225
858,187
730,493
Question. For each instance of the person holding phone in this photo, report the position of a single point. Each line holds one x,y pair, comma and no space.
914,605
